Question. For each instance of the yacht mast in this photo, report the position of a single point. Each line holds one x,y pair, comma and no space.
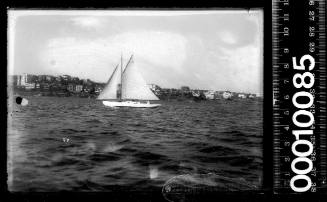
121,76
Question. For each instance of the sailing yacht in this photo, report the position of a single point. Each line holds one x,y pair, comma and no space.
127,88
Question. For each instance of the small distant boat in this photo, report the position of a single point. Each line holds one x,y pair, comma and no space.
198,96
195,94
127,88
210,95
227,95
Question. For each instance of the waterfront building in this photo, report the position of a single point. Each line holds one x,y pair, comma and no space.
63,87
18,80
87,88
24,80
75,79
29,86
258,94
34,78
174,91
41,78
241,96
74,88
48,78
78,88
58,78
70,87
44,86
84,80
54,87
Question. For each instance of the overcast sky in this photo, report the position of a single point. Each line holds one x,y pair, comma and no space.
214,50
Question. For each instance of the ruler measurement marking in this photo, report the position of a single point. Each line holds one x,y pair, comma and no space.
280,39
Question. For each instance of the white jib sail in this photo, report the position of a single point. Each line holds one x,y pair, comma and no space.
110,90
134,86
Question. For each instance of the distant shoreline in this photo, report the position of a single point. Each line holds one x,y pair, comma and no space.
39,93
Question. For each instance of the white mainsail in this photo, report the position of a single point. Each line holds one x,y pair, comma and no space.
111,88
134,86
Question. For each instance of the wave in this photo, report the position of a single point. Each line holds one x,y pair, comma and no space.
107,133
219,150
72,131
98,157
65,161
128,150
112,148
149,158
93,121
231,160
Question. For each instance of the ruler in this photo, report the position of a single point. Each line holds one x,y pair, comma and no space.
299,96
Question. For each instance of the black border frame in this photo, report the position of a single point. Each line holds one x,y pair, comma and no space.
264,194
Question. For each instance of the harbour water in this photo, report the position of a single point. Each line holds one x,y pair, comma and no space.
77,144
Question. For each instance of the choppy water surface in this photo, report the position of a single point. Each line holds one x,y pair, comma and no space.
77,144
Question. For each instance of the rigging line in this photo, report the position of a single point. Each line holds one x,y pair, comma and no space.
128,63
